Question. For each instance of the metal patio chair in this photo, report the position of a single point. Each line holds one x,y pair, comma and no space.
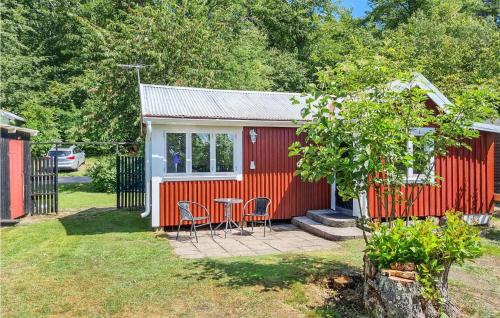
260,209
187,215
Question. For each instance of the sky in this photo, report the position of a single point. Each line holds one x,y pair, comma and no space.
359,7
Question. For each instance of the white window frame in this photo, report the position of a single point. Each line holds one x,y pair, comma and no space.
237,174
412,178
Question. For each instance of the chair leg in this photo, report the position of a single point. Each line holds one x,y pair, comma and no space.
178,229
265,220
211,231
191,229
225,231
270,226
253,219
195,234
241,227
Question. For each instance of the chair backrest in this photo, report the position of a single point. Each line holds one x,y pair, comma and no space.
261,205
185,210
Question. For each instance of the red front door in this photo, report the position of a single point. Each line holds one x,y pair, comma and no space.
16,167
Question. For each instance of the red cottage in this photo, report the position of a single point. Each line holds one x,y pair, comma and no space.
203,144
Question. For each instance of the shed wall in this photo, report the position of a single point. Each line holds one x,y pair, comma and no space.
467,183
497,163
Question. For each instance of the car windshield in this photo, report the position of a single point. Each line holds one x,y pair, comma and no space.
59,153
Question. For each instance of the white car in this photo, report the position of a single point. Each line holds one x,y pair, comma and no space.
68,158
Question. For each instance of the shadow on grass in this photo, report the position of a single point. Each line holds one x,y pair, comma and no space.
269,274
491,234
283,272
104,220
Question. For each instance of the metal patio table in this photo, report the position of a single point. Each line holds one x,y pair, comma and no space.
228,213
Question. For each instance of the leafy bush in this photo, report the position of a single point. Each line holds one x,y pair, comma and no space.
432,248
103,174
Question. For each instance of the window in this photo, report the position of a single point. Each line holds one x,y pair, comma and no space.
176,153
422,167
200,152
224,152
59,153
197,153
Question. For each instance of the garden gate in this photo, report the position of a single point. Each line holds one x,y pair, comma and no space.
129,182
44,194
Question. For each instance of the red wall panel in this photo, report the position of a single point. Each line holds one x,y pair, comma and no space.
16,177
467,184
497,163
273,177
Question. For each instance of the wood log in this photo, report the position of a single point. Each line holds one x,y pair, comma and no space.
401,274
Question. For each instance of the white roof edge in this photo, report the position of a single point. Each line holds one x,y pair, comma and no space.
12,116
219,122
486,127
13,129
220,90
433,92
441,100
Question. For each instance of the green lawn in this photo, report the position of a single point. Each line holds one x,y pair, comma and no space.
83,195
98,263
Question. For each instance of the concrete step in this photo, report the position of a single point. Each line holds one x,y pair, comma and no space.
332,218
325,231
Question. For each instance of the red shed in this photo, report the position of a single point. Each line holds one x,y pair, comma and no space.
203,144
14,167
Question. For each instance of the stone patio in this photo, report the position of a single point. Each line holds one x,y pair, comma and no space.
283,238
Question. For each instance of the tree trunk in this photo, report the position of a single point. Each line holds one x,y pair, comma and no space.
388,296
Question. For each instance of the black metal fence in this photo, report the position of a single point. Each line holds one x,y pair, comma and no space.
44,194
129,182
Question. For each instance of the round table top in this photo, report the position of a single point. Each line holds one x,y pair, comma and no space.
228,200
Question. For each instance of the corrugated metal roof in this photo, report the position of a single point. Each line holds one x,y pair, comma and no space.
187,102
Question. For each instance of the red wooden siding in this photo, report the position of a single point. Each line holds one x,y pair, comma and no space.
273,177
467,185
16,177
497,163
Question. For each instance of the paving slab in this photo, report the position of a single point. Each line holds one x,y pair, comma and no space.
284,238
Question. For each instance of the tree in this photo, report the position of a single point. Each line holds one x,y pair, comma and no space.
392,13
362,122
456,49
363,115
63,55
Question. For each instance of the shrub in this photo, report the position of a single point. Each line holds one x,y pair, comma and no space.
103,174
432,248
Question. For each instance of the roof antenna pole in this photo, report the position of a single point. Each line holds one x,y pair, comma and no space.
137,67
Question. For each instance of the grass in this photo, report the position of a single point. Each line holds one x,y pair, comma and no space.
82,170
109,263
75,196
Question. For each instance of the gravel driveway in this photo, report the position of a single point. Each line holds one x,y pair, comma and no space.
73,179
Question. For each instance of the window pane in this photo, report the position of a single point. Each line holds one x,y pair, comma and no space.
402,165
224,150
176,152
201,152
420,158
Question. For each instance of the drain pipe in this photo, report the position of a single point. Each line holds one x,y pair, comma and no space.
147,208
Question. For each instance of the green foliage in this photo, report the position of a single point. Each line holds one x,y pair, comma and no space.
63,55
362,125
103,174
401,243
430,247
459,241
